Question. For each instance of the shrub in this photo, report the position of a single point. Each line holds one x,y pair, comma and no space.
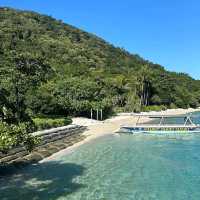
47,123
14,135
154,108
172,106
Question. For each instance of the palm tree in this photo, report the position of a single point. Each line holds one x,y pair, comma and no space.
144,79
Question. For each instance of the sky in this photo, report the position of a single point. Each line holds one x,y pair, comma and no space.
166,32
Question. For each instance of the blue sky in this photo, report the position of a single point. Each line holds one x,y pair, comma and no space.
163,31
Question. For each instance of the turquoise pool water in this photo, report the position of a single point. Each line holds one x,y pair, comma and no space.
121,167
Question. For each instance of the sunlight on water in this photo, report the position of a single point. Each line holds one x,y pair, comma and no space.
121,167
115,167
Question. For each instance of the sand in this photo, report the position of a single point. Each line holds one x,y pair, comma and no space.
97,129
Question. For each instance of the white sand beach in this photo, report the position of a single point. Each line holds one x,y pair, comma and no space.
97,129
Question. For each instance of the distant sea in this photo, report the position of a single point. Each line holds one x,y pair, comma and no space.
119,167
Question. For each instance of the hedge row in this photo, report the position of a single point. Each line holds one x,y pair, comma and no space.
47,123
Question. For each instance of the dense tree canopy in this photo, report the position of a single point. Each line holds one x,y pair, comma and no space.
85,70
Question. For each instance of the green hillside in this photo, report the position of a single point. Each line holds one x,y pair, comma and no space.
52,68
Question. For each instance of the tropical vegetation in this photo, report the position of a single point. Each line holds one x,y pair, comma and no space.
51,68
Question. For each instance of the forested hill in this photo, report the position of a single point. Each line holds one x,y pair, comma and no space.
52,68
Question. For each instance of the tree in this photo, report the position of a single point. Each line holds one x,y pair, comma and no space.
144,79
133,103
23,73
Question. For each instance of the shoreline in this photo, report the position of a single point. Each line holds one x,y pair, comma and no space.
96,129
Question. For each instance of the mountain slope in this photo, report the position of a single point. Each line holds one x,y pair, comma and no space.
88,71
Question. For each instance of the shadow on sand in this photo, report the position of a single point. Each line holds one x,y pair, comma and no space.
45,181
